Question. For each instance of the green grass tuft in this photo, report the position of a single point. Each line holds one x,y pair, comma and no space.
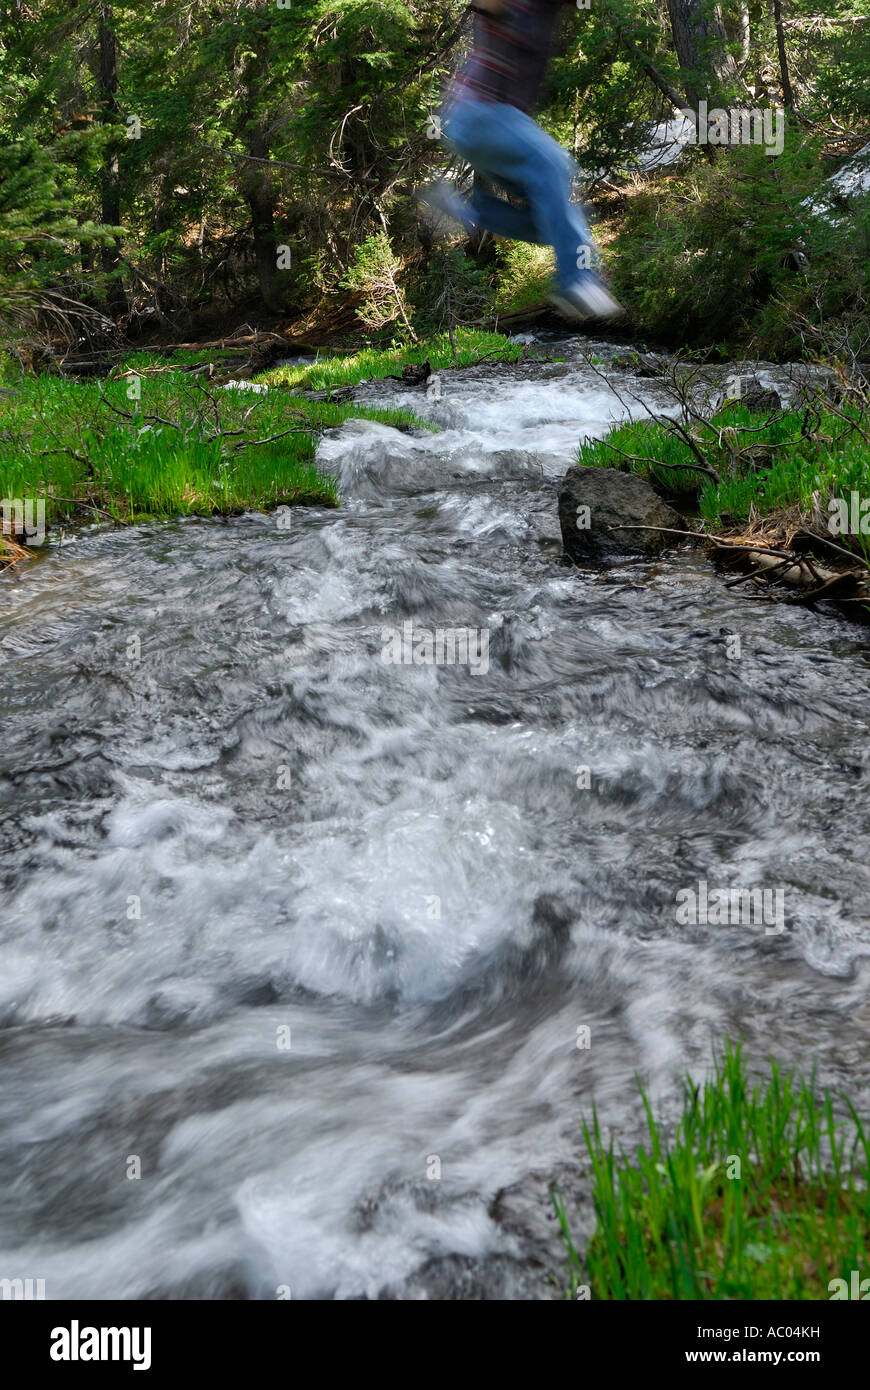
762,1194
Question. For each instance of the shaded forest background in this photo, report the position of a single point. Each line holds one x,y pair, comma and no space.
175,170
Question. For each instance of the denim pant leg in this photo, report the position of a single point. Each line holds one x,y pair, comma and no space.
507,146
503,219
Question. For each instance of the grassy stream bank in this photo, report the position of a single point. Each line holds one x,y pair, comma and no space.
161,439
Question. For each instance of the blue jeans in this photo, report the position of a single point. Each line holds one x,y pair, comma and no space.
507,147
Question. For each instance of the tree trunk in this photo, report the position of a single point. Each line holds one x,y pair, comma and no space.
700,42
257,186
260,197
110,192
744,31
787,93
357,153
110,210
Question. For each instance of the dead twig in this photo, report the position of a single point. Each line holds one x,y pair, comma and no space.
250,443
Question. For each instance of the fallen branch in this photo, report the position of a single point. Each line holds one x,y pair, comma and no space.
672,530
804,534
785,566
82,502
754,574
816,581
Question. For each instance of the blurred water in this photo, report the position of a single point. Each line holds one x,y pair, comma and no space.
396,864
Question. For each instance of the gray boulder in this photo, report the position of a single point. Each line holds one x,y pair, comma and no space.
592,500
844,191
763,400
759,398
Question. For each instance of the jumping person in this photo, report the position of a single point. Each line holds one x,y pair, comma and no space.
487,120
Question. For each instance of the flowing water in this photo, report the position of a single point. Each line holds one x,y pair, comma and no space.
304,937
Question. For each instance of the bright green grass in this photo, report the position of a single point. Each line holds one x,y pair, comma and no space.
673,1225
830,460
369,364
60,441
524,275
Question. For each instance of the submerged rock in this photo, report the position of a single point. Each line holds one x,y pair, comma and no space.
762,399
753,394
593,500
553,916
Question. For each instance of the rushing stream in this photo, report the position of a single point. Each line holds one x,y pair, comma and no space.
226,816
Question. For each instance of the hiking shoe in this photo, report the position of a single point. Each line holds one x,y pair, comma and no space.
444,209
586,299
